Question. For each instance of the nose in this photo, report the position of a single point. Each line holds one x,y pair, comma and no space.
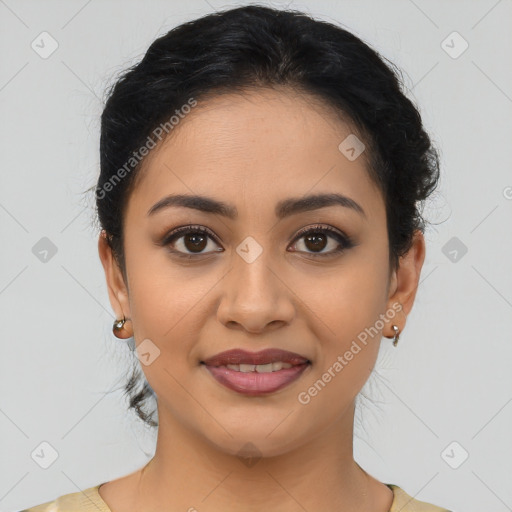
255,297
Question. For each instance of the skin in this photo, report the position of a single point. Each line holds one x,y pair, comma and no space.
252,151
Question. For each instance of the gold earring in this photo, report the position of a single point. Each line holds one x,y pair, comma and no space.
396,336
118,326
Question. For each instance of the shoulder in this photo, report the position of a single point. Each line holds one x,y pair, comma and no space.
88,500
402,502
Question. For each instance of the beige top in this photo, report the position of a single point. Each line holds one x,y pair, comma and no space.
90,500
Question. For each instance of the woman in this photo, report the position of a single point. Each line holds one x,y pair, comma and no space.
261,175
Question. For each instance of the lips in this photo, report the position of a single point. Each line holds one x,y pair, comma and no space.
256,373
240,356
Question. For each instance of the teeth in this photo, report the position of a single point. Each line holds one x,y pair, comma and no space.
265,368
259,368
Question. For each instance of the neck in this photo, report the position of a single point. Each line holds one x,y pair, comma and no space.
189,473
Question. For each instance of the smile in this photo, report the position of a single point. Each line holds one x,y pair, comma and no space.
260,368
256,380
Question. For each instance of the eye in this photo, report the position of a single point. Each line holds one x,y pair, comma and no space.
188,241
316,239
190,238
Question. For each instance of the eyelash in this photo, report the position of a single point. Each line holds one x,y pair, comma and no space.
344,241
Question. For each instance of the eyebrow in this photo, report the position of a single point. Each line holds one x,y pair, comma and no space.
284,208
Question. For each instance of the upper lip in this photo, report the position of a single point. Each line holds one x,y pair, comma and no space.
269,355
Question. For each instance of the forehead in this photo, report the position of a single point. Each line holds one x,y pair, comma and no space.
259,146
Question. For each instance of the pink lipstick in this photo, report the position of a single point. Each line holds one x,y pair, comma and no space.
256,373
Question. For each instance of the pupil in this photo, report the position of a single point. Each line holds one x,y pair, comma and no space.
318,241
198,242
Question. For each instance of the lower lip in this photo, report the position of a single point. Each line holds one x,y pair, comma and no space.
254,383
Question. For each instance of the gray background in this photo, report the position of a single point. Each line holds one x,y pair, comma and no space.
449,380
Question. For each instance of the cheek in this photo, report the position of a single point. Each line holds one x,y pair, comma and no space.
345,301
163,294
168,308
345,321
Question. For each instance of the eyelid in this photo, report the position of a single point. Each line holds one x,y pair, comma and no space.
321,227
345,242
340,237
186,229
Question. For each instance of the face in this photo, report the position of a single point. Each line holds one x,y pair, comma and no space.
252,279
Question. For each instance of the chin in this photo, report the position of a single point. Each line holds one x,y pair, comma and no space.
254,443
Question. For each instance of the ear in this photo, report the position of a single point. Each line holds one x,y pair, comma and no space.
404,281
117,288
